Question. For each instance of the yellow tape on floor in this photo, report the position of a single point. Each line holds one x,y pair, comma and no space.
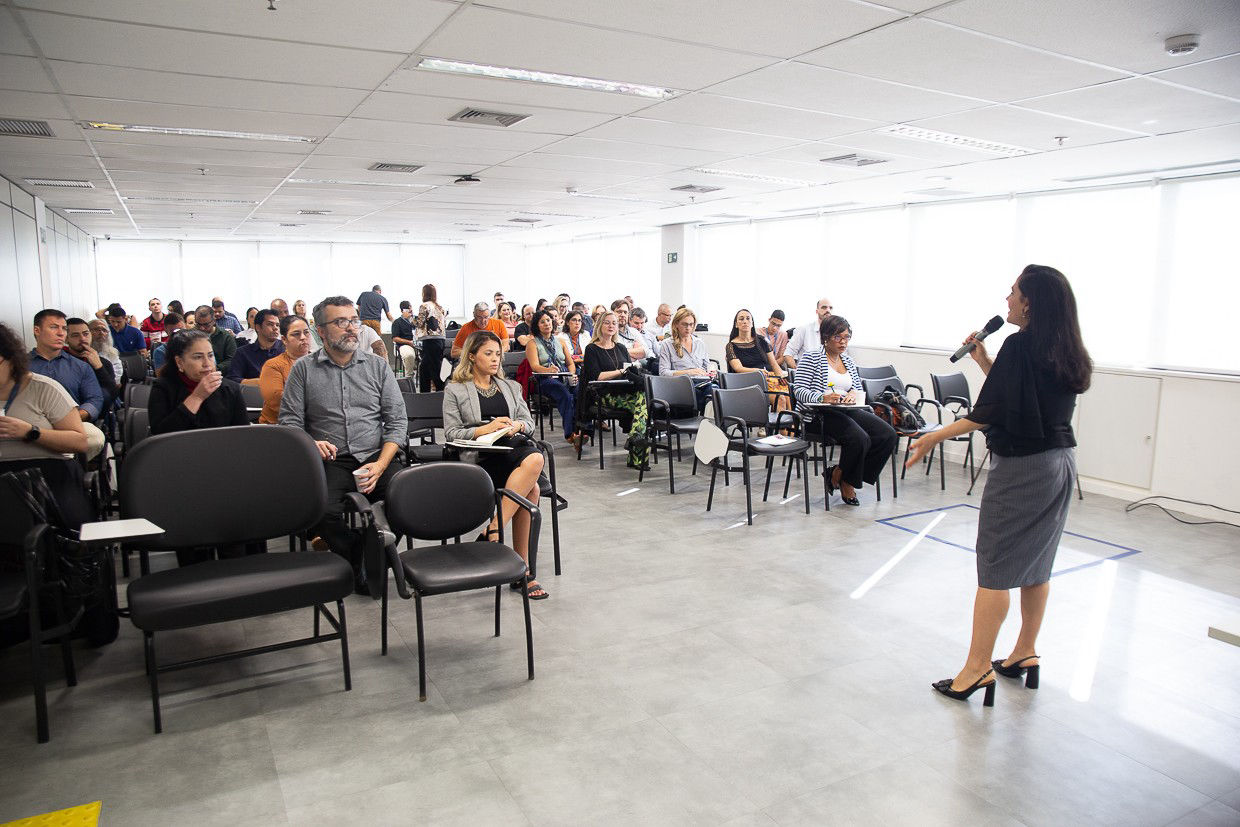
84,815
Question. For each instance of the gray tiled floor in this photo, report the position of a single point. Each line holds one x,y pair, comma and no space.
690,671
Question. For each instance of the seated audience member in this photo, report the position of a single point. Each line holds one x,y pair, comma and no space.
48,358
599,309
523,332
39,421
368,339
575,335
747,353
548,353
174,306
249,334
498,298
606,359
626,335
661,327
773,333
562,305
153,325
247,363
190,392
125,337
587,323
347,400
172,323
827,374
805,339
296,334
78,344
402,339
101,341
280,306
508,316
223,342
481,321
638,322
540,304
684,354
480,401
223,319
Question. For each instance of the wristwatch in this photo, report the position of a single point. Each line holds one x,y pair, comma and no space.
32,435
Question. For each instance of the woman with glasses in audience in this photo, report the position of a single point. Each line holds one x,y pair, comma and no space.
190,392
607,359
827,375
575,336
684,354
547,353
480,401
747,352
1025,406
296,334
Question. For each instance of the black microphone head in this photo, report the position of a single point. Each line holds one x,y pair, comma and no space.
994,324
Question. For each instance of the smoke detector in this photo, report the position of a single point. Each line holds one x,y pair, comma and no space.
1182,44
467,181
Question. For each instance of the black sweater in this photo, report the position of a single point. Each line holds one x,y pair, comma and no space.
1023,406
224,407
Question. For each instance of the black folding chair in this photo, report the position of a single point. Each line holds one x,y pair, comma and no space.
738,412
424,412
673,413
874,389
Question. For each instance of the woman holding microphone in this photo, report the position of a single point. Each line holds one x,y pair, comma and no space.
1025,407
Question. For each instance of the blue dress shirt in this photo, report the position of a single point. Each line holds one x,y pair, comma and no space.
75,376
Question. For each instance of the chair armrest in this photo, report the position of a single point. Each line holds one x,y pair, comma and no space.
358,503
938,407
522,502
921,393
660,411
736,421
797,419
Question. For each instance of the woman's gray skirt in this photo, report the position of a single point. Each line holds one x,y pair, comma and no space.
1024,509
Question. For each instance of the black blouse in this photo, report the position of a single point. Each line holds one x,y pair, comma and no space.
522,329
1023,406
750,355
224,407
493,406
600,359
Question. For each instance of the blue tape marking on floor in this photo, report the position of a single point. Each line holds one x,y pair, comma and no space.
1125,550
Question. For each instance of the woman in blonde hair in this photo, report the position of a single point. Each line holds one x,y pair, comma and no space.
606,359
684,354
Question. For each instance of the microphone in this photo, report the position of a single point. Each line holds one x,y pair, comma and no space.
991,326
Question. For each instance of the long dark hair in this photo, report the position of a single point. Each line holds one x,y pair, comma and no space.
1054,329
14,352
177,346
536,323
753,325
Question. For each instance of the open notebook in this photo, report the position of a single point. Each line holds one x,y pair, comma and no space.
484,441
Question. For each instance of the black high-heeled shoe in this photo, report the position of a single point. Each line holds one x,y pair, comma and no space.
944,687
1016,669
830,475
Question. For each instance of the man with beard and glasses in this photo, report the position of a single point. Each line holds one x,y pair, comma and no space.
348,401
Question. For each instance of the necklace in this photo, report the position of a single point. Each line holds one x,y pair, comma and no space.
489,391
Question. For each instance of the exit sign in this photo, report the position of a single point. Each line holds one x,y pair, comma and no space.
672,257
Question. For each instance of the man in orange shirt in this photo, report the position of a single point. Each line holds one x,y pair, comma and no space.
481,321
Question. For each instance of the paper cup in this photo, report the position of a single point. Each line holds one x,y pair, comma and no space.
358,476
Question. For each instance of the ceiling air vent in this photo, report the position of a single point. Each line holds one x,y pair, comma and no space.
60,182
853,160
282,224
86,211
487,118
313,212
25,129
385,167
525,220
696,189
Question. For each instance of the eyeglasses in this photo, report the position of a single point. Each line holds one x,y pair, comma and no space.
845,337
342,324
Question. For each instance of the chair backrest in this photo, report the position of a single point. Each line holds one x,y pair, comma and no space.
874,387
732,381
950,384
137,426
876,373
424,410
134,367
407,385
252,395
747,403
137,395
214,505
440,500
512,361
711,442
676,391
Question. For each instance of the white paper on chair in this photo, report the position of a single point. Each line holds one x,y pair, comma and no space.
776,439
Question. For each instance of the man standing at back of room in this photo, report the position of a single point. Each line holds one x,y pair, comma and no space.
223,343
805,338
348,401
372,306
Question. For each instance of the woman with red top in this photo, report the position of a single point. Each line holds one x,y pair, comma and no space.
190,392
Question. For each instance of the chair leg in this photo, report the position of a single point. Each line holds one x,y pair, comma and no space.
599,425
796,462
555,531
39,679
710,496
417,609
497,593
529,630
770,466
693,472
383,617
344,645
671,465
805,481
316,620
1079,494
942,472
748,489
908,446
152,669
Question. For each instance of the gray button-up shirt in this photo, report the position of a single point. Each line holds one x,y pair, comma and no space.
357,407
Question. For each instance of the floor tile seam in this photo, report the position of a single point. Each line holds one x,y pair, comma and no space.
1003,806
500,778
704,764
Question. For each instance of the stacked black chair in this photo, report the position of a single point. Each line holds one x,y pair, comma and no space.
673,413
441,502
407,384
133,366
951,394
876,373
424,412
204,512
738,413
252,395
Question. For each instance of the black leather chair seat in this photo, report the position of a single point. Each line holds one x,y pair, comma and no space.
421,454
461,567
12,594
756,446
220,590
687,426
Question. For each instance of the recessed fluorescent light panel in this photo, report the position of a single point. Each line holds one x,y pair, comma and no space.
60,182
200,202
86,211
197,133
620,198
338,182
964,141
749,176
456,67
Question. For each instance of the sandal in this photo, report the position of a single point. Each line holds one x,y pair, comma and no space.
485,537
534,587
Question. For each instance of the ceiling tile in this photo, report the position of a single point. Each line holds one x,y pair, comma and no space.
577,163
11,40
827,90
23,73
782,29
688,136
1126,34
928,54
1221,76
32,106
170,50
461,137
625,151
812,154
395,106
873,143
1143,105
411,153
1023,128
495,37
730,113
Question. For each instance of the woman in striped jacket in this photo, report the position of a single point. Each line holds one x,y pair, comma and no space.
828,375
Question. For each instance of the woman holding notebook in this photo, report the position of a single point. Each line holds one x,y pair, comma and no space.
479,404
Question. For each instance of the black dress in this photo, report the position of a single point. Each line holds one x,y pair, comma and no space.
500,464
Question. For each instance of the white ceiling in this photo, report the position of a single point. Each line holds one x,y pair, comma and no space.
766,89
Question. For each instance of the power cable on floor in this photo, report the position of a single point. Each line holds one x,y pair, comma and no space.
1132,506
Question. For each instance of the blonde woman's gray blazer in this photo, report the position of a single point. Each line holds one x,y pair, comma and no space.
461,413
